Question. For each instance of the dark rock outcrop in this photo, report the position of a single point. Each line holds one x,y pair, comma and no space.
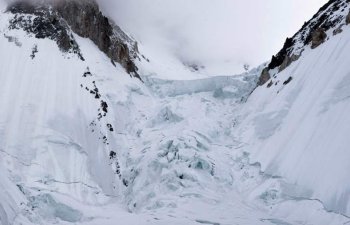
318,37
58,19
269,84
338,30
85,19
288,81
264,77
323,19
313,32
278,59
42,23
287,61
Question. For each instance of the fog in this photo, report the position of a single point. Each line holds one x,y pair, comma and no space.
232,31
228,33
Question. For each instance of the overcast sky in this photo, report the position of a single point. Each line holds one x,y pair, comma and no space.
240,31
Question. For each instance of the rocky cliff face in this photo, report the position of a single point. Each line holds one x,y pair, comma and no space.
329,20
57,20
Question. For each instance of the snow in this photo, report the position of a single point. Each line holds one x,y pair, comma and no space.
298,130
180,147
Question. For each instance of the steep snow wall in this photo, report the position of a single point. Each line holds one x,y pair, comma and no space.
55,122
297,124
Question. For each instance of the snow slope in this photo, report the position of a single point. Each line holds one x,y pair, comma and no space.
83,143
47,112
297,123
299,130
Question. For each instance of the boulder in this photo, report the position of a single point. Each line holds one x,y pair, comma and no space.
338,30
287,61
264,77
318,37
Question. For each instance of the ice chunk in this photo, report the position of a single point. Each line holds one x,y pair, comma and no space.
166,116
50,209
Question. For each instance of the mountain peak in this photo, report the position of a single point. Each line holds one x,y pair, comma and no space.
57,20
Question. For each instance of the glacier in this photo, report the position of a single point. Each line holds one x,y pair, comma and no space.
82,142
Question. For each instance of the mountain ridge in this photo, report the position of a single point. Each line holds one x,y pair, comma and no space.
83,18
329,19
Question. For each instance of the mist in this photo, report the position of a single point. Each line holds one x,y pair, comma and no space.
224,33
208,31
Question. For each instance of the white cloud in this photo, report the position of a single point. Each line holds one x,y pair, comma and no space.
213,30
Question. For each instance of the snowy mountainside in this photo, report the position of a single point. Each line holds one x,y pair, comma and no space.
56,20
297,121
52,105
82,142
